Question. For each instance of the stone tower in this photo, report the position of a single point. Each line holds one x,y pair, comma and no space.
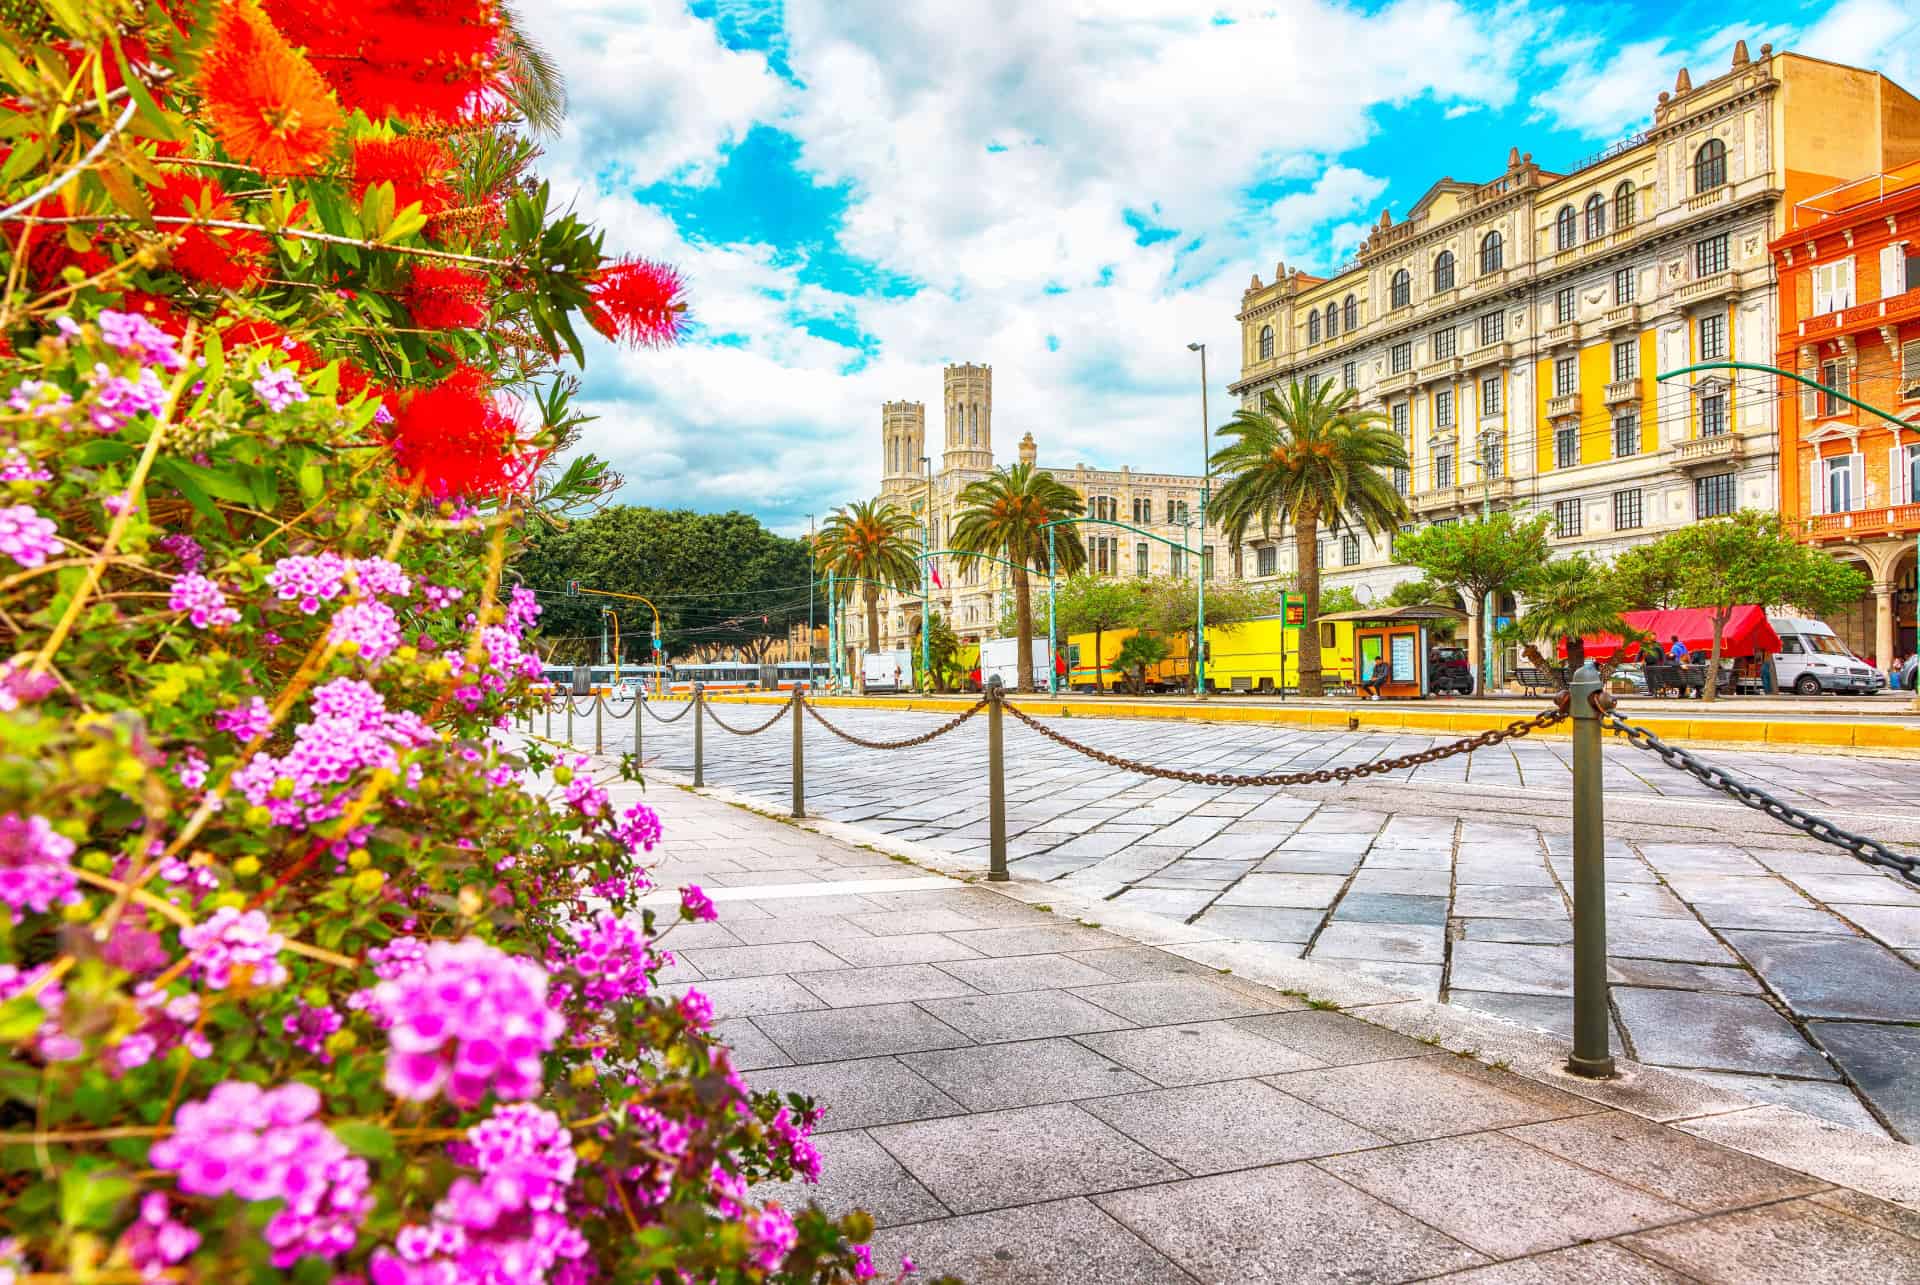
903,440
1029,450
969,402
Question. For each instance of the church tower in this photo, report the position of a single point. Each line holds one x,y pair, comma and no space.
969,406
903,440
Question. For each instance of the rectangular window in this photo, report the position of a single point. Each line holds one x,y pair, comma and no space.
1348,375
1266,559
1180,514
1492,457
1490,395
1626,359
1206,561
1443,408
1626,436
1903,467
1179,563
1400,420
1493,328
1566,376
1713,495
1402,479
1709,256
1626,510
1623,285
1566,447
1910,279
1169,510
1832,286
1836,375
1349,550
1713,415
1106,555
1142,511
1313,384
1840,488
1443,341
1713,336
1443,468
1141,554
1401,358
1566,518
1563,306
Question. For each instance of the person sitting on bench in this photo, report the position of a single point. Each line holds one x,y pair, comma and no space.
1382,671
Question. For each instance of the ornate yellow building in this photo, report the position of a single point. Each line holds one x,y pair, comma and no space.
1511,329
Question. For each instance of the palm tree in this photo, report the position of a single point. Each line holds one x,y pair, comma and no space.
872,544
1570,600
1004,516
1308,456
1139,653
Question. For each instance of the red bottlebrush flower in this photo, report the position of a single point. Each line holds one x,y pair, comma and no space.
442,297
419,60
252,333
222,257
639,302
415,166
457,443
264,102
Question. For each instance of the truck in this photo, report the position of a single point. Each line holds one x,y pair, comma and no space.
1002,656
886,671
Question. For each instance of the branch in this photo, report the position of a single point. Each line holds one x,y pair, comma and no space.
298,234
93,154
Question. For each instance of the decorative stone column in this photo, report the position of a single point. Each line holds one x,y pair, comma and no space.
1883,624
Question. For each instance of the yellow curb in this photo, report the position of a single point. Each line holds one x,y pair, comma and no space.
1886,736
1815,733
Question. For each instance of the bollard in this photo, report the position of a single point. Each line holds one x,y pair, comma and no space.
799,757
599,722
1592,1036
699,741
549,715
569,720
639,717
996,787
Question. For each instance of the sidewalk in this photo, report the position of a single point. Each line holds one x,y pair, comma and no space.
1019,1097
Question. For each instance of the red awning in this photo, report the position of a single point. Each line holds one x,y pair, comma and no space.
1745,633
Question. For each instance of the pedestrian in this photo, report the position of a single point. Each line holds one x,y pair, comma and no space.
1060,667
1677,650
896,676
973,678
1382,671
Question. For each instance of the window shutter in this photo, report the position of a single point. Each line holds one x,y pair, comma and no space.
1857,481
1893,271
1910,364
1809,395
1822,289
1897,476
1843,284
1817,486
1843,378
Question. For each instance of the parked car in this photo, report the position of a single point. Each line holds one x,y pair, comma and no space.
1448,671
1628,678
1812,660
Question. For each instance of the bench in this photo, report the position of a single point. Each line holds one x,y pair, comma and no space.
1685,679
1535,679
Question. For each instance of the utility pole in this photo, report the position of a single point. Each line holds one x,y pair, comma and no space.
810,574
1206,497
926,573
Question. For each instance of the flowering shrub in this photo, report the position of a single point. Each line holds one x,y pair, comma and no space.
308,968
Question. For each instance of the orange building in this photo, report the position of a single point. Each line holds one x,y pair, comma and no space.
1849,275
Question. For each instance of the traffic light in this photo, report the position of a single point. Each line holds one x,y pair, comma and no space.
573,588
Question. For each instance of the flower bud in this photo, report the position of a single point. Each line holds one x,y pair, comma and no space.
583,1075
77,913
237,900
341,1041
472,902
315,996
257,816
406,655
562,774
367,884
359,858
246,867
97,861
283,787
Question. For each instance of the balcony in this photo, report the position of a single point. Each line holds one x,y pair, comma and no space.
1566,407
1708,288
1898,519
1487,355
1622,391
1705,452
1554,336
1864,316
1387,385
1462,498
1441,369
1708,199
1479,287
1627,314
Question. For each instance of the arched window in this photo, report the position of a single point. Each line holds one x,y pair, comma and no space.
1709,166
1313,326
1443,272
1563,229
1623,206
1266,342
1402,289
1596,217
1333,319
1491,253
1352,309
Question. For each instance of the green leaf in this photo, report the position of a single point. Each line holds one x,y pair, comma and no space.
20,1018
88,1198
169,471
405,223
364,1139
221,485
103,450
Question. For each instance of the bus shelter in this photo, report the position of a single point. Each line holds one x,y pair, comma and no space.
1404,636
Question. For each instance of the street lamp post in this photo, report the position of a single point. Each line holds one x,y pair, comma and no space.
926,575
812,571
1206,496
1486,463
1053,675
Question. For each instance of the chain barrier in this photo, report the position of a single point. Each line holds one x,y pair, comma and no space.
922,739
1320,776
685,708
1870,851
622,713
750,731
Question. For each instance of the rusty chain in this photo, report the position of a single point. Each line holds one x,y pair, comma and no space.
1320,776
750,731
1870,851
662,718
864,743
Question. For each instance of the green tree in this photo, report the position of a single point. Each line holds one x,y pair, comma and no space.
1480,558
1421,593
1004,517
1137,654
872,544
1647,577
1308,458
1570,599
1748,558
1337,599
1087,603
943,653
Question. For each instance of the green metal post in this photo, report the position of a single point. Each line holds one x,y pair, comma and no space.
833,636
799,755
699,738
1592,1051
996,786
599,722
926,577
1200,630
569,720
639,718
550,696
1053,676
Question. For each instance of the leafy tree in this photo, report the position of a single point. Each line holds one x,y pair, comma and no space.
1487,556
1004,516
871,543
1569,599
1308,458
1647,577
1087,603
1337,599
943,652
1421,593
1138,653
1747,558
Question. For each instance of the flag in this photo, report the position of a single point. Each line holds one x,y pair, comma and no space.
934,568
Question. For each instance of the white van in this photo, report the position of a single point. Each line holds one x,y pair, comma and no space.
1812,660
887,671
1002,656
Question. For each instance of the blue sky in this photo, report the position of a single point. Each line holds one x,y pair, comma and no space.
861,191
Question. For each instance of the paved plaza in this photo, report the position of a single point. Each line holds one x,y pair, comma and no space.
1741,951
1016,1098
